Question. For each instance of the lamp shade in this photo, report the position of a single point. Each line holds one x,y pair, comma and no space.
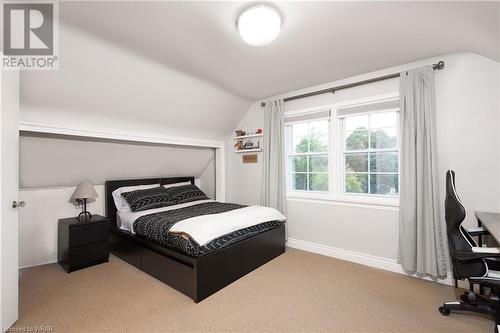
84,190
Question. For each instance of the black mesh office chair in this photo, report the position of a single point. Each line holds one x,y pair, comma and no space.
476,264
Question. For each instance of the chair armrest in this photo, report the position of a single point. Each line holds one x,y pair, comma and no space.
477,231
467,255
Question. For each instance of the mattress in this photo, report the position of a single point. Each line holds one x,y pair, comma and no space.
200,227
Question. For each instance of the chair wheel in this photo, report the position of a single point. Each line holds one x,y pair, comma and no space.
444,312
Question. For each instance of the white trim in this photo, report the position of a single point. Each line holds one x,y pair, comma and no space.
248,136
253,150
337,202
39,264
307,110
114,134
367,100
359,258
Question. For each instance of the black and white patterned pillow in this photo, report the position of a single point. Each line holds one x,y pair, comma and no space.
186,193
140,200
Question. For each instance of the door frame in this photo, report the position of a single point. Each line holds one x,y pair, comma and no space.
9,192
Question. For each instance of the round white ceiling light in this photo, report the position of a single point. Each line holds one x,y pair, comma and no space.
259,25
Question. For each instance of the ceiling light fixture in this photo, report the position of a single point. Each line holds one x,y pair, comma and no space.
259,25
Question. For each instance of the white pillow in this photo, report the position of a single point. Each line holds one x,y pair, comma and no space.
120,202
176,184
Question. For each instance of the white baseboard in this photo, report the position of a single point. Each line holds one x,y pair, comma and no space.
359,258
39,264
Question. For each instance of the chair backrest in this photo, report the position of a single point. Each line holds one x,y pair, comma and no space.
458,238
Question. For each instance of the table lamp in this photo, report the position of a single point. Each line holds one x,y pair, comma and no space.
84,191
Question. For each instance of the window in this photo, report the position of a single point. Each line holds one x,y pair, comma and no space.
349,152
308,155
370,153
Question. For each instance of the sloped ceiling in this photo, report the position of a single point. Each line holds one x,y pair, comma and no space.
52,160
182,65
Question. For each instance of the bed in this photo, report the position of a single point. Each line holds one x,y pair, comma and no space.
197,272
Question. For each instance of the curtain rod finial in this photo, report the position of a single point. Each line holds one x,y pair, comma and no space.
439,65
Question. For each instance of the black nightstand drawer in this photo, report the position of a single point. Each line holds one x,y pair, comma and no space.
89,254
88,233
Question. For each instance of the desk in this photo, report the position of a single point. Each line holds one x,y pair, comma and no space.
490,221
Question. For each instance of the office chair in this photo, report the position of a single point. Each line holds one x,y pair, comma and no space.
476,264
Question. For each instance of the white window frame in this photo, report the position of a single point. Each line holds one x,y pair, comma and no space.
336,194
289,152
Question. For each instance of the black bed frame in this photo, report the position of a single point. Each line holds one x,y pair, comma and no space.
196,277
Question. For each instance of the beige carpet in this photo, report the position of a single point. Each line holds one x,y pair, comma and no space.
297,292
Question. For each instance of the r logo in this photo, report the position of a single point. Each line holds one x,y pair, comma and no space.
28,29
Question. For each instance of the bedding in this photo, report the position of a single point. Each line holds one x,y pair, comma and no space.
200,227
120,202
140,200
176,184
185,193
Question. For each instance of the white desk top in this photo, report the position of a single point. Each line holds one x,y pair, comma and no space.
490,221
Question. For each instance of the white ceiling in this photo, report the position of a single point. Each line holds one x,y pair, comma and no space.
320,41
181,68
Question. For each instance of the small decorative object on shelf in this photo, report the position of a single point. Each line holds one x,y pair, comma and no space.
239,144
240,132
248,141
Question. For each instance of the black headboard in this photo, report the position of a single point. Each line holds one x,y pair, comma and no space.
112,185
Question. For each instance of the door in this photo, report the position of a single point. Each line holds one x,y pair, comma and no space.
9,191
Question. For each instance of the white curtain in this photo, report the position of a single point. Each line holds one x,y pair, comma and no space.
273,163
421,237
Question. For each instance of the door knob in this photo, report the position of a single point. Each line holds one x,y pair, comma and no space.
17,204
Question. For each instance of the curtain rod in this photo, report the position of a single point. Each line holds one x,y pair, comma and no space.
438,66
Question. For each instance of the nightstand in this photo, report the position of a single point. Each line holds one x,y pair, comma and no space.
82,243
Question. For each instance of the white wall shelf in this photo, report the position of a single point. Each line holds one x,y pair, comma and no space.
248,150
248,136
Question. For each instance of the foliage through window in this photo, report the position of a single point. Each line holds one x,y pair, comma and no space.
308,157
371,155
348,151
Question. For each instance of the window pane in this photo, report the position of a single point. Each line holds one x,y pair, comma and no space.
384,162
298,164
300,144
384,138
300,129
356,162
318,136
356,183
381,120
356,123
384,184
356,140
318,163
299,181
318,182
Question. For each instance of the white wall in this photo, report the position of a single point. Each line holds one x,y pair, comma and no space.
468,108
243,180
50,160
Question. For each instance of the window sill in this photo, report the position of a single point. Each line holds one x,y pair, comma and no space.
391,204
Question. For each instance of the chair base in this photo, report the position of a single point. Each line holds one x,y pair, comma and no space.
472,302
